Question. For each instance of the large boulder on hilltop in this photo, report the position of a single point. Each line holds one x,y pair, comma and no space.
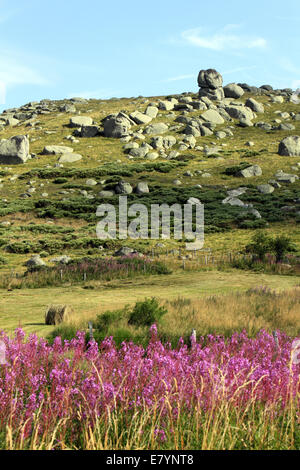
290,146
232,90
210,78
15,150
210,82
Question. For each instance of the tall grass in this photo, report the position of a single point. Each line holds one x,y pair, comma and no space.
87,269
241,393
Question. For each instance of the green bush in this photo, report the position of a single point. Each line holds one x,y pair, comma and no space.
146,313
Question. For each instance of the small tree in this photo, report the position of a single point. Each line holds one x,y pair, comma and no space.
260,245
281,245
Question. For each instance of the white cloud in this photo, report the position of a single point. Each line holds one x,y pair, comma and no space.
239,69
222,40
179,77
15,70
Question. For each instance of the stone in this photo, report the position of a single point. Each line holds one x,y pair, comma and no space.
290,146
117,126
139,152
89,131
152,111
106,194
277,99
123,188
166,105
253,170
124,251
35,261
212,116
210,82
285,126
142,188
255,105
232,90
15,150
264,126
56,150
245,123
68,108
158,128
239,112
70,158
265,188
91,182
79,121
210,78
140,118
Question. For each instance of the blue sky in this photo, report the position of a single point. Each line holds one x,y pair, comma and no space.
99,49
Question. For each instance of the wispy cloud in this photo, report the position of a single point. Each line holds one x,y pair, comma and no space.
15,71
239,69
222,39
179,77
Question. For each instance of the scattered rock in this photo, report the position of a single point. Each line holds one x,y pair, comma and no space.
15,150
290,146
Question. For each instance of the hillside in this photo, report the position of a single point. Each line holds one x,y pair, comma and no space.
221,145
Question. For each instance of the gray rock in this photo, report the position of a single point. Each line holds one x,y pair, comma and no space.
124,251
210,78
239,112
80,121
117,126
140,118
56,150
290,146
253,170
123,188
142,188
89,131
106,194
35,261
139,152
265,188
232,90
166,105
91,182
68,108
264,126
255,105
15,150
70,158
152,111
158,128
285,126
212,116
